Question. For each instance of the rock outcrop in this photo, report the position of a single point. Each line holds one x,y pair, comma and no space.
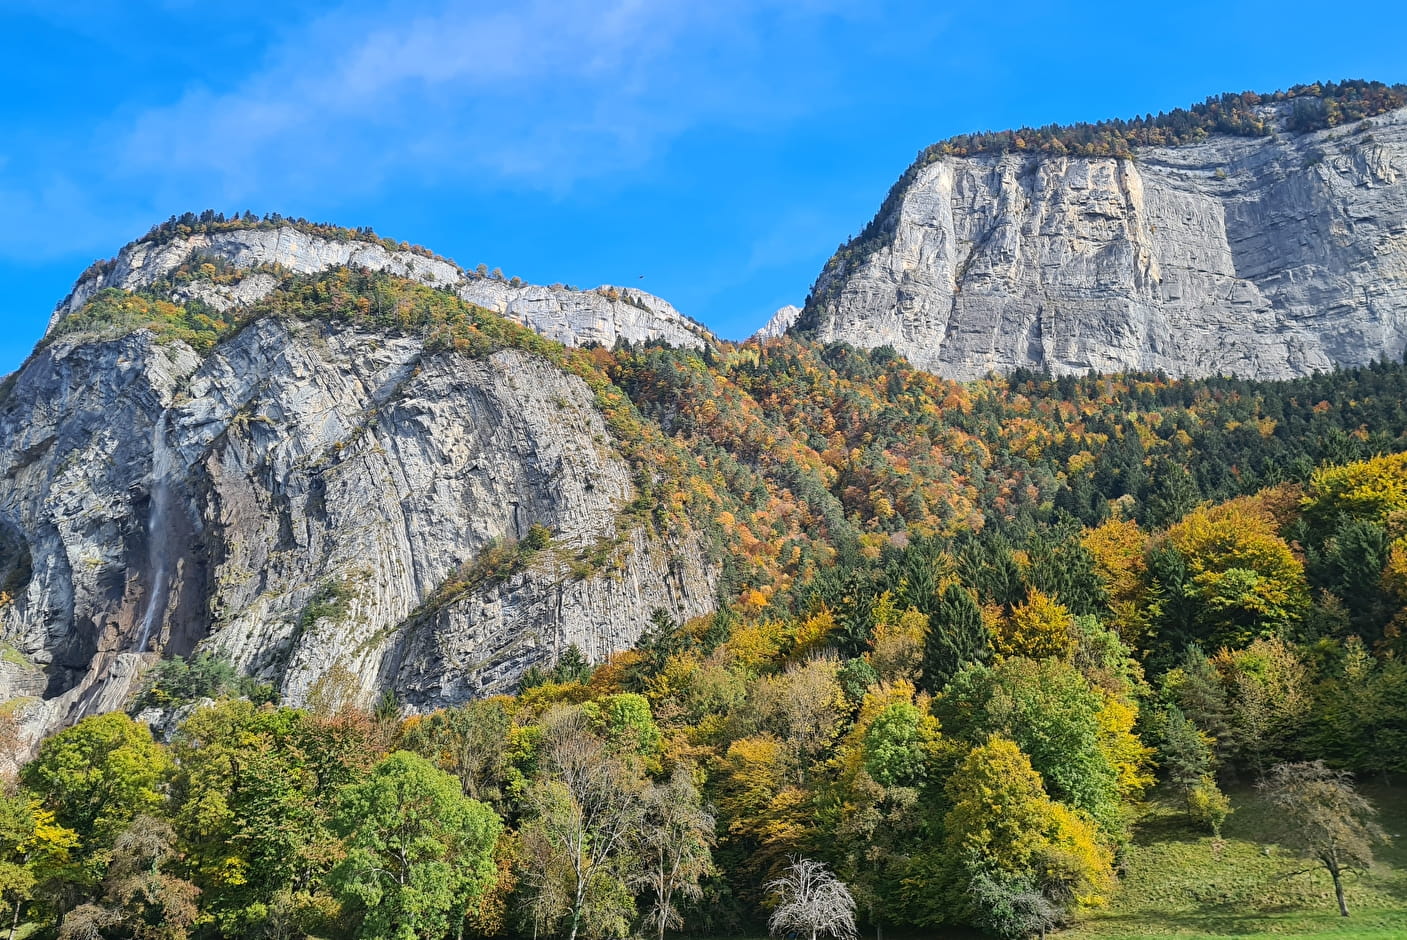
575,317
1261,257
337,511
780,322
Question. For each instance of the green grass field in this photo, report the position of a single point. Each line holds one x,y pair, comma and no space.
1177,883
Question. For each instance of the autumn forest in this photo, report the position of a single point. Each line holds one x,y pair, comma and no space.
967,633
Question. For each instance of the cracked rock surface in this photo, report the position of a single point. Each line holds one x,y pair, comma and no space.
1259,257
317,502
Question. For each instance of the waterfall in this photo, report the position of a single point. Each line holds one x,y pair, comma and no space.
163,468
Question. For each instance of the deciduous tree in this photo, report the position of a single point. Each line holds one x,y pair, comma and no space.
418,851
675,842
585,813
1324,818
98,775
811,902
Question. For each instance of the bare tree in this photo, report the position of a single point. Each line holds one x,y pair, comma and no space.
674,848
586,815
811,902
88,922
1324,818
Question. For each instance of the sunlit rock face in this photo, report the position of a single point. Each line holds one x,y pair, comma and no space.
780,322
603,315
316,502
1259,257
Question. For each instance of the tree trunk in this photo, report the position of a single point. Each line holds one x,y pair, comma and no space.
15,922
576,908
1338,891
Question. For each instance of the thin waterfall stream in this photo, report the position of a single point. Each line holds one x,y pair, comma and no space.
163,467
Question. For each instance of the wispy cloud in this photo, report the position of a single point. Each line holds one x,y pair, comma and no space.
540,95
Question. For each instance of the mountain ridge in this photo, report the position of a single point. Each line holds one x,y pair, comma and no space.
1261,256
311,411
349,483
602,315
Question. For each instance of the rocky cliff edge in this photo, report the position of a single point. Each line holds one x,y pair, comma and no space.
1263,257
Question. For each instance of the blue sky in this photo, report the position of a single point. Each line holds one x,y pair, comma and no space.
722,149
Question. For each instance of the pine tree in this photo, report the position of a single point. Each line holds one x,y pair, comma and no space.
956,636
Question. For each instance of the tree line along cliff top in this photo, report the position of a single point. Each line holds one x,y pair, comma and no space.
1301,109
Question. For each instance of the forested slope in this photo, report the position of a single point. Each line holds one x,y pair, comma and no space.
963,629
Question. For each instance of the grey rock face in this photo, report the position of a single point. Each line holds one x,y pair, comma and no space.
573,317
315,502
780,322
1260,257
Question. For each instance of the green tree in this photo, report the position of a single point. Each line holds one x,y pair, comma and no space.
899,745
1185,754
631,726
470,741
878,829
1271,700
98,775
1360,712
572,666
1049,709
418,851
1350,565
956,636
1208,805
1014,906
247,807
1196,689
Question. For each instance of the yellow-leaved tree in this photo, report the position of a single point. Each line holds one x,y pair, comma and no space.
1040,628
1222,577
1118,548
1371,490
1013,844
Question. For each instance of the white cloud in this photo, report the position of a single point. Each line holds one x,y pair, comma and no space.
467,95
542,93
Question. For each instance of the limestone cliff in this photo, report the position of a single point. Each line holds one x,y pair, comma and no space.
339,510
1263,257
575,317
780,322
